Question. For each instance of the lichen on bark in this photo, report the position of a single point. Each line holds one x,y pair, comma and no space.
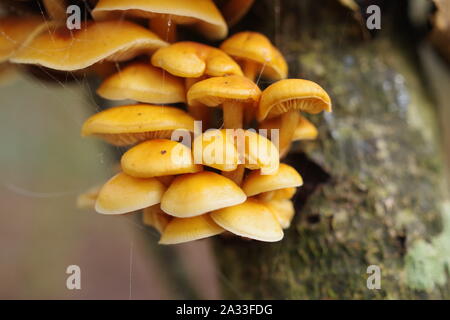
372,180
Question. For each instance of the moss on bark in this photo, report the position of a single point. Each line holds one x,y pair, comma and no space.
373,180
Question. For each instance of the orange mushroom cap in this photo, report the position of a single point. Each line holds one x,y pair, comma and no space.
286,177
293,94
250,219
157,158
203,15
257,48
16,32
180,230
69,50
215,91
126,125
144,83
194,194
123,194
192,60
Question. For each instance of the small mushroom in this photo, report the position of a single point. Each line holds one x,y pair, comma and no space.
180,230
156,158
194,194
165,15
286,177
250,219
154,217
124,194
285,98
70,50
127,125
279,194
144,83
256,55
233,93
284,211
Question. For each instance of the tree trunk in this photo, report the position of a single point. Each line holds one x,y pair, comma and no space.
374,190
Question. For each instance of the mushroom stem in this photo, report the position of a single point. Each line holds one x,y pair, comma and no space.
232,115
250,69
236,175
165,28
289,121
199,112
266,196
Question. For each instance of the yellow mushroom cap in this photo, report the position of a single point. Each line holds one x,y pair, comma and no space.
181,230
250,219
305,130
16,32
215,91
194,194
284,211
216,148
260,152
144,83
154,217
201,14
126,125
293,94
160,157
257,48
68,50
286,177
192,60
123,194
279,194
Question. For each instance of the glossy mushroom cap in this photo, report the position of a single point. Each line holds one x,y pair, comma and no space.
194,194
293,94
123,194
284,211
69,50
279,194
257,48
305,130
192,60
154,217
158,157
16,32
250,219
260,153
286,177
181,230
127,125
215,91
216,149
203,15
144,83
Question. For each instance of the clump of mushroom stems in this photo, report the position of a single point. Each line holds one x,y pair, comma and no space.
151,181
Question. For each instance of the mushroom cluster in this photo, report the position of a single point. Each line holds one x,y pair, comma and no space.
194,166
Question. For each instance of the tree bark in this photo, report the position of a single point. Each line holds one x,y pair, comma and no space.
374,180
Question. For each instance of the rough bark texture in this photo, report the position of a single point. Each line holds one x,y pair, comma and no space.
373,181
